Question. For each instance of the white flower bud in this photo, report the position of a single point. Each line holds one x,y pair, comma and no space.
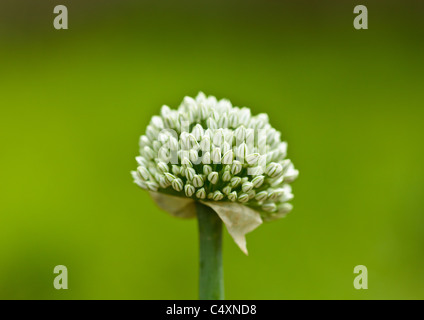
217,195
201,193
275,194
198,181
204,112
252,158
169,121
173,143
141,184
235,182
285,208
176,170
291,174
152,186
244,197
252,194
236,167
189,190
205,144
242,151
163,167
227,190
165,110
156,146
211,123
213,177
210,195
247,186
164,154
185,141
169,177
226,147
157,122
143,173
206,159
208,133
177,184
261,196
233,120
216,155
273,169
258,181
193,155
226,176
218,138
228,157
186,162
141,161
148,153
206,170
250,138
240,134
189,173
244,116
197,132
144,141
232,196
152,133
223,121
163,182
269,207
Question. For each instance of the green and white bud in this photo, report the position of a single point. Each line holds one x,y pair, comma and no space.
163,167
148,153
177,184
143,173
252,158
189,173
198,181
235,181
227,190
201,193
169,177
284,208
217,196
205,144
211,124
176,170
232,196
273,169
228,157
197,132
206,159
216,155
243,197
269,207
258,181
206,170
240,134
246,187
261,196
213,177
226,176
189,190
236,167
152,186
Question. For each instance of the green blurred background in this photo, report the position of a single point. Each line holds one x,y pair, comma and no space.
73,104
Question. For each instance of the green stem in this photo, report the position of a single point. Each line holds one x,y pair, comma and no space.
211,281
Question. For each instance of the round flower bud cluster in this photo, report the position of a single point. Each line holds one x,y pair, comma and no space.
209,150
